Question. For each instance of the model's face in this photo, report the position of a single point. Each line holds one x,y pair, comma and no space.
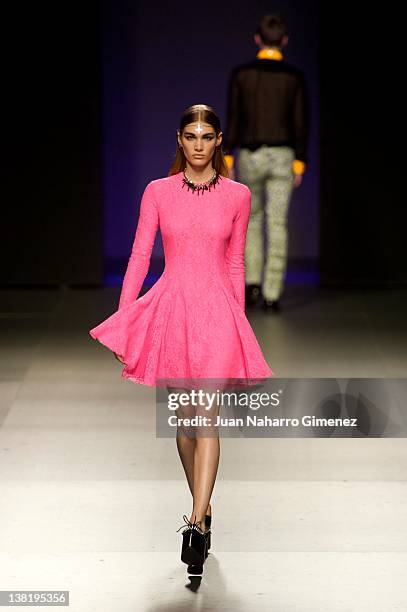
198,141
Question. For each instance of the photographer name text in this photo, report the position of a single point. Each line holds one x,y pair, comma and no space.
306,420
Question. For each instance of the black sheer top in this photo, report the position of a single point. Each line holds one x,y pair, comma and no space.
267,104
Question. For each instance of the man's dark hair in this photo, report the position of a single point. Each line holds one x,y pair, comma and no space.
271,29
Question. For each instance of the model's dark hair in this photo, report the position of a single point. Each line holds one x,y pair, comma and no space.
205,114
272,29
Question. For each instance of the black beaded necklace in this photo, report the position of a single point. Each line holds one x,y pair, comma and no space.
201,186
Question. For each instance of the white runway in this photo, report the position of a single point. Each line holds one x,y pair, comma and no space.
91,499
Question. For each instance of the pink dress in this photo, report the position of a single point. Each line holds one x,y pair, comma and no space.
191,324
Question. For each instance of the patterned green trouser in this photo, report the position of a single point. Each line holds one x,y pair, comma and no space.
267,170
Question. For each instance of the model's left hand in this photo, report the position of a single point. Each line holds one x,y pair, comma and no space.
297,180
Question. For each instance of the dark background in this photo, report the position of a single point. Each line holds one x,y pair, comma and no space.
94,92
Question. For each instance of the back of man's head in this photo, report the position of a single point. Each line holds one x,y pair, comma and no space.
272,29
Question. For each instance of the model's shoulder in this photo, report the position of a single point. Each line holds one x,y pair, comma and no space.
294,71
259,64
248,65
236,187
158,181
163,182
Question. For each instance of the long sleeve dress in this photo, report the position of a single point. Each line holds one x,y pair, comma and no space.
191,324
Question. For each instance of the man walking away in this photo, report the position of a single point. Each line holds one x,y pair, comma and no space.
268,119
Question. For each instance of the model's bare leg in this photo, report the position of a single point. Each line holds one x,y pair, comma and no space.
206,462
186,451
186,442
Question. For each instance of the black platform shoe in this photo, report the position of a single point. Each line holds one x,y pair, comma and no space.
196,570
194,544
208,522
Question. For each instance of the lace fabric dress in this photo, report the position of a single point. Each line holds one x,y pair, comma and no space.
191,324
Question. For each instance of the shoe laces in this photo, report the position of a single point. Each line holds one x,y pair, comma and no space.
190,525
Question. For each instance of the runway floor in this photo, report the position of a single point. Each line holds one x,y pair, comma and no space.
91,499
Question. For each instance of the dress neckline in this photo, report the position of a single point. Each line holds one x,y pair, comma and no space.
199,188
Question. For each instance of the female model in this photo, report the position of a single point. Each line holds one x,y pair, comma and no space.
191,324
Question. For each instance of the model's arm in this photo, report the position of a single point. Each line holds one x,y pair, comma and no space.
233,114
236,247
139,261
300,121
